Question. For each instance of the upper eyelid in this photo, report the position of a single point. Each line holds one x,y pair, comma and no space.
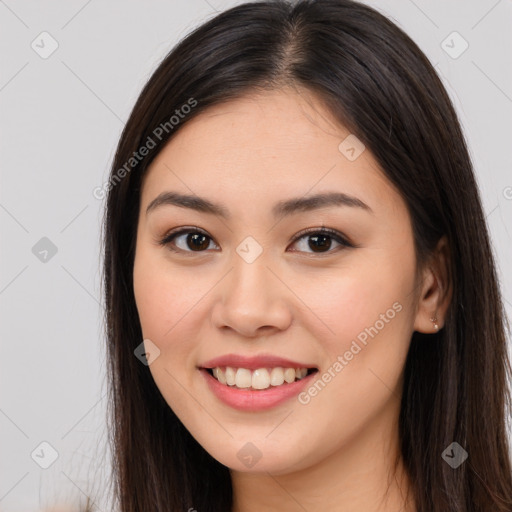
192,229
333,233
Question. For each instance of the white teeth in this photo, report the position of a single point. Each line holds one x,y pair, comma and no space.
243,378
262,378
221,376
276,376
289,375
230,376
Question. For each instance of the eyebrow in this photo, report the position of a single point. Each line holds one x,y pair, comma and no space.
282,208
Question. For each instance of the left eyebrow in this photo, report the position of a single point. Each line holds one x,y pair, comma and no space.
301,204
282,208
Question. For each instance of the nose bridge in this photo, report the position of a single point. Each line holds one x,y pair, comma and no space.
252,297
250,279
251,275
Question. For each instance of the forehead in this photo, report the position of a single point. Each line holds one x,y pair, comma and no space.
265,146
267,125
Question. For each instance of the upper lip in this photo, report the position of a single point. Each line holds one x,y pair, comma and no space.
253,362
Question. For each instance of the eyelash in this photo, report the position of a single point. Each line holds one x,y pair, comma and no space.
332,233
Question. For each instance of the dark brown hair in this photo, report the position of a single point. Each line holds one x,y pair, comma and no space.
377,83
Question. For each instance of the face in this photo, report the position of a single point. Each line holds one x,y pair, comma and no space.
247,281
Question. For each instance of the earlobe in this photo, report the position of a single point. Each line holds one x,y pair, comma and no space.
434,322
436,291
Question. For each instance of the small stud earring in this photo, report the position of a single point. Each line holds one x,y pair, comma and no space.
434,321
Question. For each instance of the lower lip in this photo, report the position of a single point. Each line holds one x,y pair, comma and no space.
251,400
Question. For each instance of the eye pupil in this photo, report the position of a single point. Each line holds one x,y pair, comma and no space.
322,244
195,238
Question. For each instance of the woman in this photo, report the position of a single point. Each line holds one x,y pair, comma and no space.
302,305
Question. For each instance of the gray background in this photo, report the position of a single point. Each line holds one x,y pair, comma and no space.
60,121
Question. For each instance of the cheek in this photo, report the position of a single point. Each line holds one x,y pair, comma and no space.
165,299
345,303
367,315
369,312
168,304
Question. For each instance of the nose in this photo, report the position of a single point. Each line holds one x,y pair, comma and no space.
252,300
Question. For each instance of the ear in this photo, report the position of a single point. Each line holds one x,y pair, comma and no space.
436,290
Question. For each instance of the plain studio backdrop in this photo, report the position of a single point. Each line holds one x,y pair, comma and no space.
69,76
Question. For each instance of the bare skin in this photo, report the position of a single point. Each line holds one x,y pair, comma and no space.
334,450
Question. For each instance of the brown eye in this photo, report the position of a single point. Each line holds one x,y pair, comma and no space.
320,240
195,240
191,240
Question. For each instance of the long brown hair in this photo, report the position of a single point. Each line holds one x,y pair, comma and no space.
377,83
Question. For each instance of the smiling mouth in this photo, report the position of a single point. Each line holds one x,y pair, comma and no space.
260,379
